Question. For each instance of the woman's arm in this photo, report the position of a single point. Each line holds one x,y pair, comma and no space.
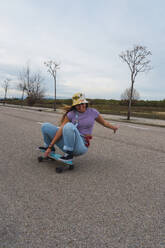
105,123
57,136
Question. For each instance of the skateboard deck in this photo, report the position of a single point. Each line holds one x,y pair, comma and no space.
61,164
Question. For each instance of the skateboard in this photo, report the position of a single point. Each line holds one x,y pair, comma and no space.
55,156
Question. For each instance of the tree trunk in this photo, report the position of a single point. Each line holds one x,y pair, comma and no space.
5,96
130,99
55,93
22,97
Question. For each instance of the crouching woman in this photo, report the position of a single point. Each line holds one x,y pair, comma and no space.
75,132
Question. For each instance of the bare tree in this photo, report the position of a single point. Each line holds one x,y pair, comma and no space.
30,84
52,69
5,86
34,88
22,85
127,93
137,61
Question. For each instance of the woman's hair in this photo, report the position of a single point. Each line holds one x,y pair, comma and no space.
67,110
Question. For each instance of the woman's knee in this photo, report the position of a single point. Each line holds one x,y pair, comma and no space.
68,127
45,127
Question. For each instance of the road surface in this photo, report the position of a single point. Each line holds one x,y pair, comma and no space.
114,198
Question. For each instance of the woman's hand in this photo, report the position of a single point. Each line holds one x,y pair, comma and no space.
105,123
115,129
47,152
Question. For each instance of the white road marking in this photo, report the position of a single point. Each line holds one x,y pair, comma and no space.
40,123
142,128
127,125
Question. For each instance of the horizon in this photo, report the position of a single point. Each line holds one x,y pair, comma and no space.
110,99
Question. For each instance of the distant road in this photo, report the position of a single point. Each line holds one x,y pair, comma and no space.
114,198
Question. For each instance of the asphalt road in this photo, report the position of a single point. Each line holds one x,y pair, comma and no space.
114,198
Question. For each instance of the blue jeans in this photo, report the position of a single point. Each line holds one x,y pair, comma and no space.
71,139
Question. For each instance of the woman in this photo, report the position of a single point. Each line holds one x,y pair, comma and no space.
74,133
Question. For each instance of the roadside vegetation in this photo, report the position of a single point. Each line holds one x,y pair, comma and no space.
140,108
30,85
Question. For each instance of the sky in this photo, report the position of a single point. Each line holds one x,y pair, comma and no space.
86,38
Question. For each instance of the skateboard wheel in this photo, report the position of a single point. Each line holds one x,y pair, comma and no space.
59,170
40,159
71,167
